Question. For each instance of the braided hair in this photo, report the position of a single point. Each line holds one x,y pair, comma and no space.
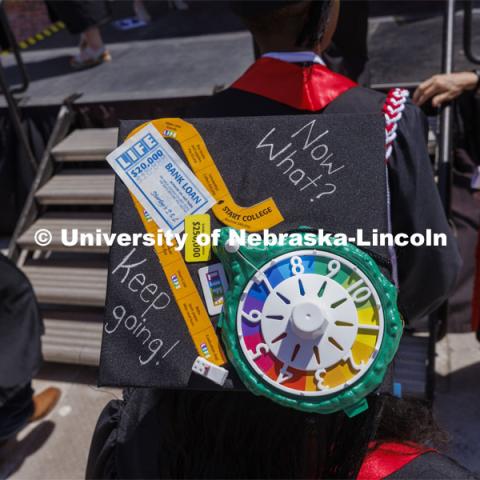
232,434
268,15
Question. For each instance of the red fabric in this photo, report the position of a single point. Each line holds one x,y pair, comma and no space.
476,291
387,458
305,88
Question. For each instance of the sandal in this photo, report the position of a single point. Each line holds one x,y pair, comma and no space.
90,58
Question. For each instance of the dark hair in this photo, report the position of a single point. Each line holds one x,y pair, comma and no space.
272,15
238,435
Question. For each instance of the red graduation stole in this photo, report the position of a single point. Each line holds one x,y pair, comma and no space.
387,458
305,88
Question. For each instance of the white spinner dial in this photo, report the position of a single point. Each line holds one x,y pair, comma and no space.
310,322
311,331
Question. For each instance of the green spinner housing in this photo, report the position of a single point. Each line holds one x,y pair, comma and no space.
251,266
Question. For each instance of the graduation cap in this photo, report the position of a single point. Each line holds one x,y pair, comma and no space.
312,328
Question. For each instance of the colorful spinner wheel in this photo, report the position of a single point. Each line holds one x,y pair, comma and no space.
314,329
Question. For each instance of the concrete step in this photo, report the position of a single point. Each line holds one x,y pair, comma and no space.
72,340
82,187
85,223
68,285
89,144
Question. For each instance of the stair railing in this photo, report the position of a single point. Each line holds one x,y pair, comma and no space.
9,92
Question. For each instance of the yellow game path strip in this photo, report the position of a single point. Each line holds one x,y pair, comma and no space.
255,218
185,292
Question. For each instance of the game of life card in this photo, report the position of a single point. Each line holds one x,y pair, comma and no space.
159,179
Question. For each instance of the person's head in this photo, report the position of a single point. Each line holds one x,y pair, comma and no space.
232,434
279,25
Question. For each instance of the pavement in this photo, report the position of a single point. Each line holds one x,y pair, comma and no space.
394,59
192,53
57,446
179,54
144,69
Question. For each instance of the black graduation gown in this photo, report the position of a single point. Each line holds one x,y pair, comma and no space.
465,207
126,440
21,327
432,466
80,15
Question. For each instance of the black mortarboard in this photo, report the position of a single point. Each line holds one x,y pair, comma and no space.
258,157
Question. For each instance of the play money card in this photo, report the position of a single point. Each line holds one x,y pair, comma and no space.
157,176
